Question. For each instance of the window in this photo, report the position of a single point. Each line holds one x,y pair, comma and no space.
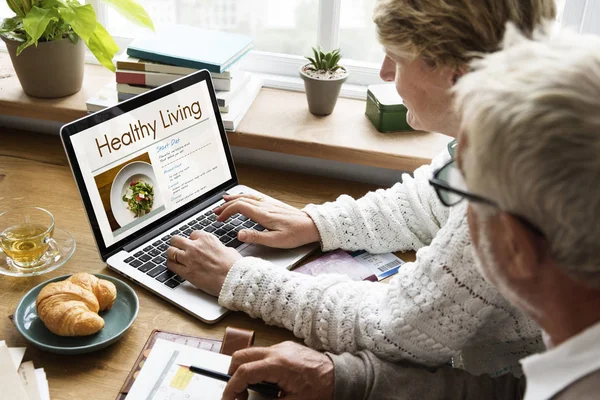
285,30
288,27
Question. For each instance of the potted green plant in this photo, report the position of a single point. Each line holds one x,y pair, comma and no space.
46,41
323,78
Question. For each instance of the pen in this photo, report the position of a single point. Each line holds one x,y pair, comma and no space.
266,389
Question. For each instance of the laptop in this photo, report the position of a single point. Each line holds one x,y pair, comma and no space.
156,166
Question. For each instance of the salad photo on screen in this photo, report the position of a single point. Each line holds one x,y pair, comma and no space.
139,197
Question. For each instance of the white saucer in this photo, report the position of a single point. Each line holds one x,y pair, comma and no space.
50,261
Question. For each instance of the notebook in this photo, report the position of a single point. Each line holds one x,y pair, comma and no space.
191,47
150,362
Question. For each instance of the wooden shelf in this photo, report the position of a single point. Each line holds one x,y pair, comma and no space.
278,121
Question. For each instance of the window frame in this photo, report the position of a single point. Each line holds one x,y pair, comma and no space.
281,70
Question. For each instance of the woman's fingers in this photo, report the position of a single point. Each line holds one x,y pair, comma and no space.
246,207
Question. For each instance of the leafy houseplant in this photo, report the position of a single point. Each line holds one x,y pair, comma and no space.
323,78
46,40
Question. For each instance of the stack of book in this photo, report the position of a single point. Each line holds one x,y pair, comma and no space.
175,51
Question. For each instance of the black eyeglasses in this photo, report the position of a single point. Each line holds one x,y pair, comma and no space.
451,188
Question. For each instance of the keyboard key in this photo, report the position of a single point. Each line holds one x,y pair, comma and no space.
156,271
154,252
217,224
129,259
205,222
148,248
220,232
225,239
135,263
147,267
158,260
145,257
209,213
212,218
248,224
243,218
229,227
196,227
259,227
236,215
239,228
234,243
236,222
163,247
164,276
138,254
232,234
165,238
157,243
172,283
178,278
210,229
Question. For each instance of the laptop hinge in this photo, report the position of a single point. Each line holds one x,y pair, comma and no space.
174,221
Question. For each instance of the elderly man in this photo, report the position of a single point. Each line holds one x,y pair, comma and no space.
528,162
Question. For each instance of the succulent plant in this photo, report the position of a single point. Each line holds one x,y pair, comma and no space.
325,61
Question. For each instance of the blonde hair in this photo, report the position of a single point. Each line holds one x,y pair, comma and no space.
531,113
452,32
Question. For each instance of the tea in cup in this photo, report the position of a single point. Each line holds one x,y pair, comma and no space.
26,236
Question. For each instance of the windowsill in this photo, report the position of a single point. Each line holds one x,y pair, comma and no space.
278,121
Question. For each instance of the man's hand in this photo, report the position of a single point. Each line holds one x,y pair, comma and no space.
300,372
202,260
287,226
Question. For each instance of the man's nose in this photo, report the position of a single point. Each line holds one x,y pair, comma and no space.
388,70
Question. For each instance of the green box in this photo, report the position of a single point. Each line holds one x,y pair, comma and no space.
385,108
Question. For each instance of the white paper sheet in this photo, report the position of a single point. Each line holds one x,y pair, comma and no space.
162,379
29,380
40,374
16,353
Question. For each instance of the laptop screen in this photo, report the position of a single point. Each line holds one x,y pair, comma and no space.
143,163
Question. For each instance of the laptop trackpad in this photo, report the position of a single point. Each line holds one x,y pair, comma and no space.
280,257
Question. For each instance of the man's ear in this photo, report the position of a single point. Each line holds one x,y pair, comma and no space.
524,250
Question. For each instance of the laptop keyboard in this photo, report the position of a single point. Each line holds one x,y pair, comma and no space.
151,259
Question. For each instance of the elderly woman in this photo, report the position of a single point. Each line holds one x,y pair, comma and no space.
435,308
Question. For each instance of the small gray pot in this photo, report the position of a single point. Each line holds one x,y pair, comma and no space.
321,94
50,70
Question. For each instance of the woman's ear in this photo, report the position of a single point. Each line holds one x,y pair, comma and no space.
458,73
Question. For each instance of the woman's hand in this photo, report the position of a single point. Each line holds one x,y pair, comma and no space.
287,227
202,260
300,372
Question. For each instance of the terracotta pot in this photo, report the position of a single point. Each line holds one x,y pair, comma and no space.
321,94
50,70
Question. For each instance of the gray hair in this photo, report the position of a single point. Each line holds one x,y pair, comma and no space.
532,116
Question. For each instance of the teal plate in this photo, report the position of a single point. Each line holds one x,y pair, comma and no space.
116,321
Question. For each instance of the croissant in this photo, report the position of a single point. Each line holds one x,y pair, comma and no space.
105,291
70,307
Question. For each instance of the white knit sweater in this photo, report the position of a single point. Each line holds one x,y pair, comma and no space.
434,309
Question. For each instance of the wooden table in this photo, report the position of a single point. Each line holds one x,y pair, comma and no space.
34,171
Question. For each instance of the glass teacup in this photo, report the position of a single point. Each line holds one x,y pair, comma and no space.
26,236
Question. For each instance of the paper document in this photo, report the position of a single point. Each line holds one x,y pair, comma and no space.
10,382
161,378
16,353
29,380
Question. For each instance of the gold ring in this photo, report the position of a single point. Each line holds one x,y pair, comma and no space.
175,256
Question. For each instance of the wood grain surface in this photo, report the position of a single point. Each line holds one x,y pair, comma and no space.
34,171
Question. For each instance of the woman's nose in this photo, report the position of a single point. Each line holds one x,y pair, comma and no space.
388,70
